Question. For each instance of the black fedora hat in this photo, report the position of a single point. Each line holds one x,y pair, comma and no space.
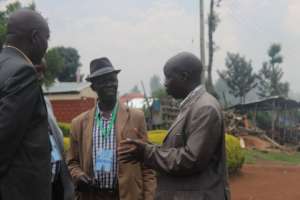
99,67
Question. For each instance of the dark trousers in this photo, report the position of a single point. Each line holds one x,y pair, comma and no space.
57,190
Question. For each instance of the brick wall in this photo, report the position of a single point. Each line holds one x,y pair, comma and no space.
66,110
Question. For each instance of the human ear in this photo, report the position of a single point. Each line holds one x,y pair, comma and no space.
185,76
34,36
93,87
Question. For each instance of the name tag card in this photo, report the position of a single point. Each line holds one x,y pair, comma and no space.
55,154
104,160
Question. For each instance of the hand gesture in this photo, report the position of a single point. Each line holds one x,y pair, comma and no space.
131,150
83,184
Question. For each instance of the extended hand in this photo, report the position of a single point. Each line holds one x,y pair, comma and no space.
83,184
131,151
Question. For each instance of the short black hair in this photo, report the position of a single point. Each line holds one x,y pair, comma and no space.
22,22
186,62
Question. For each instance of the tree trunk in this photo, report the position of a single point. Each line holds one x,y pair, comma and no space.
209,82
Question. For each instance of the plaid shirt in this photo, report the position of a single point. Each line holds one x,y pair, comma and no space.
104,180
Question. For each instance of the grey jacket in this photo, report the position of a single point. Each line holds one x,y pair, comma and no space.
191,162
64,175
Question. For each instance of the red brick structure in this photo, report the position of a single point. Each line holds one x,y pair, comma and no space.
69,99
66,110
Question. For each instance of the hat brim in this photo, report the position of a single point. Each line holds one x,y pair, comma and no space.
101,73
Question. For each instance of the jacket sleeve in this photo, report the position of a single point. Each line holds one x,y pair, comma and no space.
73,160
149,175
18,97
204,135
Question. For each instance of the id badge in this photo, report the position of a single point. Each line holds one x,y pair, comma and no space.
104,160
55,155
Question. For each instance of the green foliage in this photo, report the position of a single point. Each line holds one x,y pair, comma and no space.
66,143
135,89
252,156
65,128
10,8
235,154
54,62
271,73
71,63
155,84
225,97
159,93
213,21
157,89
264,120
238,76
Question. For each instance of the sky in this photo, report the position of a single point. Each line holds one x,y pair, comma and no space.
139,36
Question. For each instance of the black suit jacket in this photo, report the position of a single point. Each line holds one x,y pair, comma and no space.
24,142
65,189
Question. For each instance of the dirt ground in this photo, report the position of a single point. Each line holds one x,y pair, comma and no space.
255,142
266,181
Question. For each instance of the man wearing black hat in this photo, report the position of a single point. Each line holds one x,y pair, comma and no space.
191,161
95,136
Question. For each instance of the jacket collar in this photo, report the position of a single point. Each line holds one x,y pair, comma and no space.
16,51
188,101
195,94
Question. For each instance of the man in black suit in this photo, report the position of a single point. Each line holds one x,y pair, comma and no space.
24,142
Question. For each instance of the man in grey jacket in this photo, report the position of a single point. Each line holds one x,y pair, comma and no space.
191,161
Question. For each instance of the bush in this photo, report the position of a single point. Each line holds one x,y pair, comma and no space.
66,143
157,136
235,154
65,128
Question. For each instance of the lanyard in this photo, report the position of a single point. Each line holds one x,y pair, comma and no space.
105,131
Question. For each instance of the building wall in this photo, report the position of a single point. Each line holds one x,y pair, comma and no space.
66,109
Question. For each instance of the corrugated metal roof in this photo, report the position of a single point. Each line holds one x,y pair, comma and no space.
270,103
66,87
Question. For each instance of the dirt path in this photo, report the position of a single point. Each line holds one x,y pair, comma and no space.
266,182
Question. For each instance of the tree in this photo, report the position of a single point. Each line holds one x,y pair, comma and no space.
157,89
54,62
10,8
135,89
159,93
270,75
71,63
155,84
213,20
225,97
238,76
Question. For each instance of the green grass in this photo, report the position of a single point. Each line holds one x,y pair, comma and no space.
252,156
